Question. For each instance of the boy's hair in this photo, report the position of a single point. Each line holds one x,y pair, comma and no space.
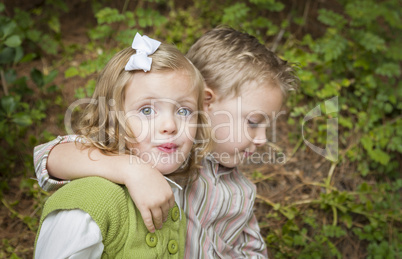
228,59
103,123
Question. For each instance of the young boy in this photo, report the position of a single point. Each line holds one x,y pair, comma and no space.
246,86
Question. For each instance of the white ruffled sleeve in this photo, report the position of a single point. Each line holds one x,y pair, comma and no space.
69,234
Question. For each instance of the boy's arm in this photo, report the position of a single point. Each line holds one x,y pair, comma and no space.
250,241
69,161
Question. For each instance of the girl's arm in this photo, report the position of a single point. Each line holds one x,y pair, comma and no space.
69,161
69,234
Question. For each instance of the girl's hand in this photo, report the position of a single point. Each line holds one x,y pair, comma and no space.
151,194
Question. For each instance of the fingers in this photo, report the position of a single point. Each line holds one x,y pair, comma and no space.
165,211
147,217
171,202
167,206
157,216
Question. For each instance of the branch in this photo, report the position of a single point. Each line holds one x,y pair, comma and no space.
4,82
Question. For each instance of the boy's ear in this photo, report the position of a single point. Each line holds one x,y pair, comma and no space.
209,97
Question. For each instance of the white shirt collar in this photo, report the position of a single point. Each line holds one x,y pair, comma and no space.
176,188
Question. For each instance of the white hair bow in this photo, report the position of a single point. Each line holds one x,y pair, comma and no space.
144,46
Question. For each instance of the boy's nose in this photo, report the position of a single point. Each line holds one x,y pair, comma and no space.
260,142
261,137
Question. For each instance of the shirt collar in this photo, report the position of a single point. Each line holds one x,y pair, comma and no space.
217,168
176,188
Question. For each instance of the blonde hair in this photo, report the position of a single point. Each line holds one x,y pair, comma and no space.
228,59
103,123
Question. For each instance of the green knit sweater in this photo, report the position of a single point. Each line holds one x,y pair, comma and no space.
123,230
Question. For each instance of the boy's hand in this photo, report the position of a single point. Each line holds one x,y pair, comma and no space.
151,194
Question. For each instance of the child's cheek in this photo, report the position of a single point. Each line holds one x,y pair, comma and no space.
221,134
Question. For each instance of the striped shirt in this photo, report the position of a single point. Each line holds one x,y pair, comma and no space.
218,206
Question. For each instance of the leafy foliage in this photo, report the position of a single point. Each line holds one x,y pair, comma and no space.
18,112
355,55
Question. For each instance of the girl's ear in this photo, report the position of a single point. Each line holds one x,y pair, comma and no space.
209,98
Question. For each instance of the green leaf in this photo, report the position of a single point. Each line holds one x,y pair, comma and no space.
22,119
109,15
370,41
394,50
24,19
49,44
333,231
70,72
8,104
347,220
7,55
13,41
54,24
380,156
331,18
52,89
90,87
130,19
235,13
37,77
388,108
28,57
299,240
389,69
270,5
14,256
50,77
288,240
362,12
1,7
11,76
329,89
19,53
34,35
367,143
346,122
79,93
9,28
332,45
100,32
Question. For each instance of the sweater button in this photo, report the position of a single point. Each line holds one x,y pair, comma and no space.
175,213
151,239
173,247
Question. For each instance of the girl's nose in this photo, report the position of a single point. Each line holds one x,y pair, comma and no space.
168,125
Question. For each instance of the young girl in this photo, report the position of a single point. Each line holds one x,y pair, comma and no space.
145,104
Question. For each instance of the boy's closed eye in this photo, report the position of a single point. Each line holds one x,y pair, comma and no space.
258,120
253,124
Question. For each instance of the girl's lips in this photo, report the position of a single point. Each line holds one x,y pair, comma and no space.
167,147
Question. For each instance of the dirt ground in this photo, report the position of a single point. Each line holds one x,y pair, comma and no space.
278,182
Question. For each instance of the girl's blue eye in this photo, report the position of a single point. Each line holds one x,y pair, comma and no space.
147,111
184,112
